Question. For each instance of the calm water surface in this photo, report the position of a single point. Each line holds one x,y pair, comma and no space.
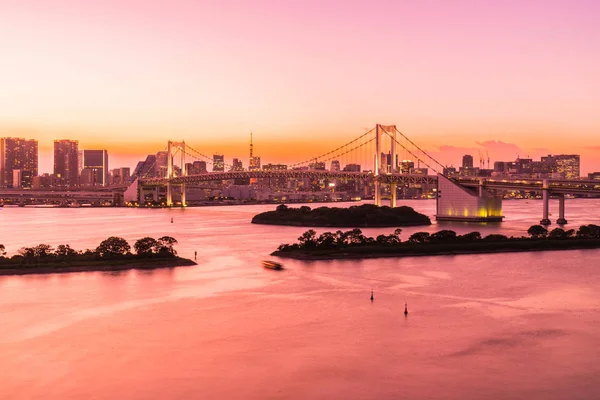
503,326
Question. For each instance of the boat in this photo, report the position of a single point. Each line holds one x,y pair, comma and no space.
272,265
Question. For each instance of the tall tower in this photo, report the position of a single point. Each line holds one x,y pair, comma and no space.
251,153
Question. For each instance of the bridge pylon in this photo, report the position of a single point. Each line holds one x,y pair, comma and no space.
380,168
173,149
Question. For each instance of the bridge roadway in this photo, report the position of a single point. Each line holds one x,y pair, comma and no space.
563,186
290,174
558,186
23,194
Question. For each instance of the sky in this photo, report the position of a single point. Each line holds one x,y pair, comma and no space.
510,78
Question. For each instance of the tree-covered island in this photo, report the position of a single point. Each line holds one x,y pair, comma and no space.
112,254
364,216
353,244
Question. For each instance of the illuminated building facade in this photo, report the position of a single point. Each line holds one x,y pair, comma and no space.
17,154
95,168
218,163
458,203
66,162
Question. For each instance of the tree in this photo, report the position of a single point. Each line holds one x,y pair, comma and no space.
305,209
557,233
590,231
444,235
397,233
495,237
281,207
146,246
537,231
165,246
471,237
308,239
355,236
418,237
113,246
64,250
2,250
326,240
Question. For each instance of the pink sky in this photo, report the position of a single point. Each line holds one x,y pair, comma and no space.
305,76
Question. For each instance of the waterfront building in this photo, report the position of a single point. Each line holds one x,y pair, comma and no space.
237,165
66,162
218,163
95,168
352,168
161,165
467,161
406,166
568,165
119,176
17,154
335,166
317,165
594,176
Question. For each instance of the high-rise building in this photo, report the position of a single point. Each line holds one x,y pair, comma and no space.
406,166
568,165
162,164
254,161
335,166
237,165
467,161
594,176
95,168
218,163
119,176
66,161
198,167
17,154
352,168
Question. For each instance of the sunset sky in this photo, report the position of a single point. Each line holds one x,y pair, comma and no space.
513,77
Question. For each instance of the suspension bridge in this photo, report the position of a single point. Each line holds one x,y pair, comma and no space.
378,157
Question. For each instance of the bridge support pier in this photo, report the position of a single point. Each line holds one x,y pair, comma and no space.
561,210
183,195
169,195
377,194
546,199
393,194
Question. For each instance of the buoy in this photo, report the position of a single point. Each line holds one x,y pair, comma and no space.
372,296
171,219
405,309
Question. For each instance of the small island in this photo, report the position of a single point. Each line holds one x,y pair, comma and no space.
112,254
364,216
353,244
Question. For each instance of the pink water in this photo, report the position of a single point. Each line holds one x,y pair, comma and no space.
503,326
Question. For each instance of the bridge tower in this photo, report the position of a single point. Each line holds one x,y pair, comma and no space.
381,132
175,149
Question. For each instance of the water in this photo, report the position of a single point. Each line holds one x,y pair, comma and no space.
502,326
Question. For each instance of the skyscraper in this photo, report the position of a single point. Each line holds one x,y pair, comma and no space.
17,154
218,163
467,161
95,168
66,161
237,165
568,165
335,166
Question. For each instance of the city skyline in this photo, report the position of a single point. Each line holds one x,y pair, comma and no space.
518,77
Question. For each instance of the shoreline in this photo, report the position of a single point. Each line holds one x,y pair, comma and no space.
95,266
362,252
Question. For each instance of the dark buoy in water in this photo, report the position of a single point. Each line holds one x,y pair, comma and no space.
405,309
372,296
171,219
